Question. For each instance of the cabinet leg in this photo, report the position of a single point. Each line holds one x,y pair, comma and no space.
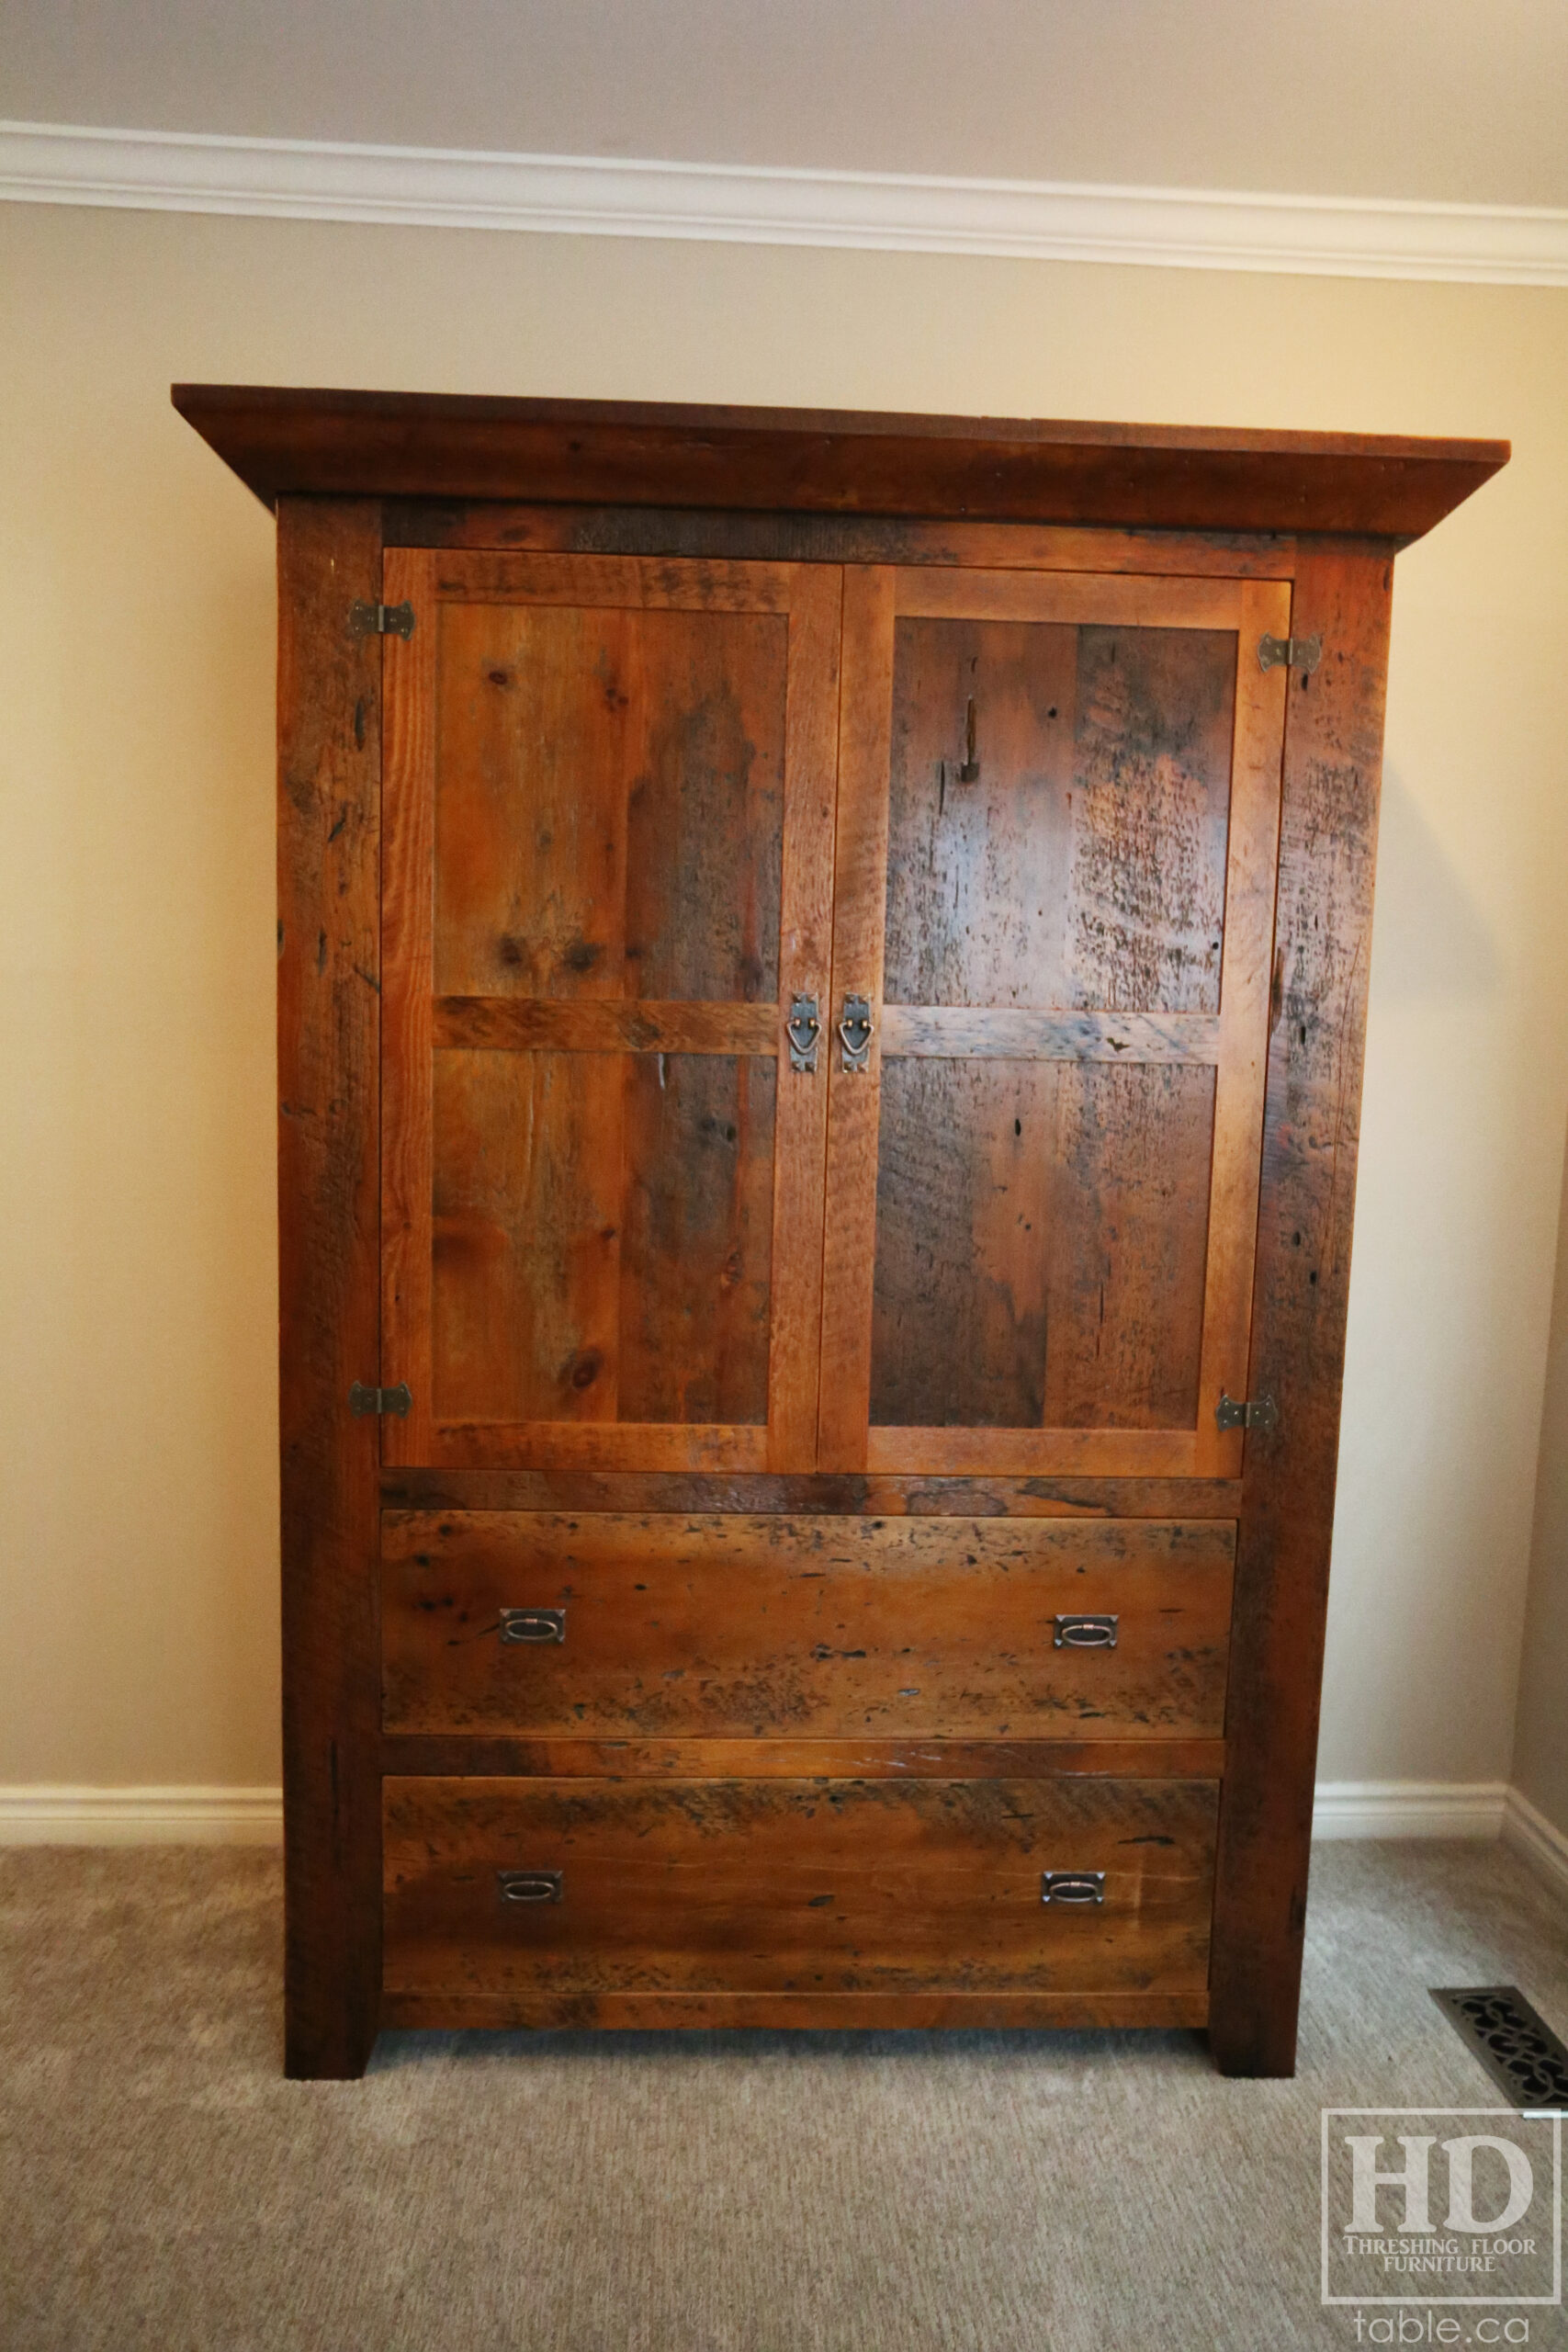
332,1913
1255,1987
1260,2048
330,2000
307,2058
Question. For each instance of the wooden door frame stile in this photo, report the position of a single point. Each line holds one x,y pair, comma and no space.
329,948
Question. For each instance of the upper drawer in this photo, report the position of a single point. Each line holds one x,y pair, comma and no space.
823,1627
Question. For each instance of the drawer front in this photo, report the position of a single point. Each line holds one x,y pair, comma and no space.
589,1888
621,1625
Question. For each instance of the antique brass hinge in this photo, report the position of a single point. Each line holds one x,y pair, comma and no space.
397,1400
1289,653
1257,1413
381,620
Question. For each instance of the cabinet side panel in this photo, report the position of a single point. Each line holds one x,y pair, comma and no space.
327,1042
1333,758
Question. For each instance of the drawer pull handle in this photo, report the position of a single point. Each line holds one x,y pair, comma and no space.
533,1624
854,1032
1072,1886
803,1029
529,1886
1086,1633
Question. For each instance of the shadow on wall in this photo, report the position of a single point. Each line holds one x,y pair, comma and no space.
1428,937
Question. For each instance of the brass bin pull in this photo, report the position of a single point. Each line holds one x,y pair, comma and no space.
529,1886
1072,1886
533,1624
854,1032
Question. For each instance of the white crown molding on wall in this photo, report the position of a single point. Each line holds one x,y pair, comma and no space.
598,196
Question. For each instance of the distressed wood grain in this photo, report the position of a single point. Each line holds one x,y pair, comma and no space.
407,950
960,1452
609,791
1046,1241
600,1444
1251,870
508,1756
1039,1266
1187,478
1011,1033
329,703
882,1496
723,1626
860,887
1111,601
521,1024
791,1886
831,538
450,2012
1332,768
806,952
611,812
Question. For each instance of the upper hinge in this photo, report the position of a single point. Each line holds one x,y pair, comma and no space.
397,1400
1289,653
381,620
1257,1413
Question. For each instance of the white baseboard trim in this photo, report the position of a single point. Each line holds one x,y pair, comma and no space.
1409,1808
1536,1840
297,179
65,1815
46,1816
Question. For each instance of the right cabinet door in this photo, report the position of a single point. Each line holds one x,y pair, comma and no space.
1058,838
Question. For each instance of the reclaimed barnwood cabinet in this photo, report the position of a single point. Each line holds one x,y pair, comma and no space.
822,963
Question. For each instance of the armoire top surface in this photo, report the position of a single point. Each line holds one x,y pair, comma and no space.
289,442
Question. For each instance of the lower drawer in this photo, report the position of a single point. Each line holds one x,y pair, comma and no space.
550,1901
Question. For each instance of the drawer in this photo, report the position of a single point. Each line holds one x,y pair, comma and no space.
792,1886
731,1626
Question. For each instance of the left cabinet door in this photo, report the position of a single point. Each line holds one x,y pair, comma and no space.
608,821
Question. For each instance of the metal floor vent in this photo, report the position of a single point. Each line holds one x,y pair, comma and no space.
1516,2047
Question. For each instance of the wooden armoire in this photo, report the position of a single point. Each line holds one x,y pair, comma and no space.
821,974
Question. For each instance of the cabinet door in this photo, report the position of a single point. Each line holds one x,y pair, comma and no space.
608,826
1058,835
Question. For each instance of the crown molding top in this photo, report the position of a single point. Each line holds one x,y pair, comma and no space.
586,195
353,444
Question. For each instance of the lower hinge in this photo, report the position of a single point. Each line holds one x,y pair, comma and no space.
1257,1413
381,620
1290,652
397,1400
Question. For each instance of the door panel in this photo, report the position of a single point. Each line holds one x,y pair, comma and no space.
609,792
609,866
1038,1263
1085,865
1043,1190
602,1235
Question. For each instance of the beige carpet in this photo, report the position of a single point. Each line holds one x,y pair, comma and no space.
160,2185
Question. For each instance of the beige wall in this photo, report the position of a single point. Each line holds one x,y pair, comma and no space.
136,899
1540,1742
